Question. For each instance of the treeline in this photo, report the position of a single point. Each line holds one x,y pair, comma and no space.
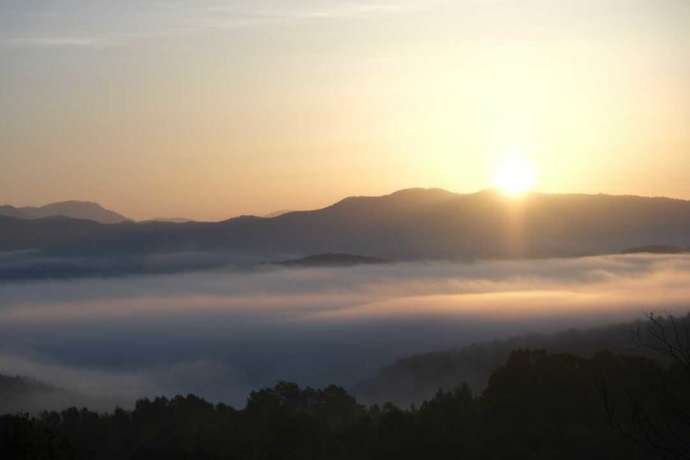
536,406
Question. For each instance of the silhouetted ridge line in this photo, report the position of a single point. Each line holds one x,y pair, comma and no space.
657,249
84,210
332,260
407,225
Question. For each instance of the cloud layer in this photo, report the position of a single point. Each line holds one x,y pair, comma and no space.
220,334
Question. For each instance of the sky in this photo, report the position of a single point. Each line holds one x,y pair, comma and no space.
208,109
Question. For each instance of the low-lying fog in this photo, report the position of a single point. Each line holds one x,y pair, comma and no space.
221,334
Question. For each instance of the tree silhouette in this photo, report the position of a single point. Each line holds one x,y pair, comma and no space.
658,418
536,406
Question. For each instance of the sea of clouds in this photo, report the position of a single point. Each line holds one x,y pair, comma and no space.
220,334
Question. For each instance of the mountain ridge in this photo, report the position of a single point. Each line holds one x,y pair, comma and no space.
410,224
86,210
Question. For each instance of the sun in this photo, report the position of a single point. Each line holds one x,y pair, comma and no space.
515,176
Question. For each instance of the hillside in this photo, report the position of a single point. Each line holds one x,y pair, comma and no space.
536,406
72,209
22,394
416,378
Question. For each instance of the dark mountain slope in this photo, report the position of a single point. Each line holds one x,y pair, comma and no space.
11,211
410,224
19,394
73,209
416,378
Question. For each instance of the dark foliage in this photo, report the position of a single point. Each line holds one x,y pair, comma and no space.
416,378
536,406
658,418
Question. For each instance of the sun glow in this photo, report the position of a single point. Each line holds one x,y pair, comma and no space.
515,176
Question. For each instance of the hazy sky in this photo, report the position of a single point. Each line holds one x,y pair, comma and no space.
209,108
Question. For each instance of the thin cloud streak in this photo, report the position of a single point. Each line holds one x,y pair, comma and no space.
62,42
180,19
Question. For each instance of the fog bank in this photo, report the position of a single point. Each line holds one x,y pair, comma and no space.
220,334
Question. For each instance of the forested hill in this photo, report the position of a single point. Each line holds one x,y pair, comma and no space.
536,406
416,378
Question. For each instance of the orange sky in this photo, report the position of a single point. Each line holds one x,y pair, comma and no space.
210,109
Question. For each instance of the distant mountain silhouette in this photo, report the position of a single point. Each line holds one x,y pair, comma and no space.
73,209
11,211
277,213
331,260
174,220
656,249
406,225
